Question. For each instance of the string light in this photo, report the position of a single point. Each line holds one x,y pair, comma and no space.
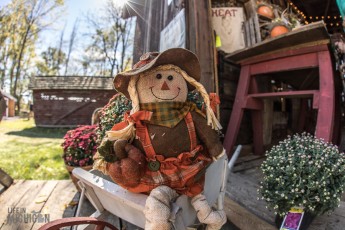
314,18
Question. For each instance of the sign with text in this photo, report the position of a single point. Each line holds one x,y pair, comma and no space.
174,34
228,24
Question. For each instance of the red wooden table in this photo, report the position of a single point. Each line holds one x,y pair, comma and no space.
303,55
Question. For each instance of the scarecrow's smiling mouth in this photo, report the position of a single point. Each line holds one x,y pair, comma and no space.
166,99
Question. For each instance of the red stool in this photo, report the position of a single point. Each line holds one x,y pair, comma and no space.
249,97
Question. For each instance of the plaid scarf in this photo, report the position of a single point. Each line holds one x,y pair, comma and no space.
169,114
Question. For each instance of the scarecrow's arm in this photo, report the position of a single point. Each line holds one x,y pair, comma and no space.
207,135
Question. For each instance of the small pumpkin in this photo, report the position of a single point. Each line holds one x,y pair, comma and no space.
278,30
265,11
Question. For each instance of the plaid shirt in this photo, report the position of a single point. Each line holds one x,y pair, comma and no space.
169,114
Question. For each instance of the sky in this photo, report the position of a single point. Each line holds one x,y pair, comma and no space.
73,9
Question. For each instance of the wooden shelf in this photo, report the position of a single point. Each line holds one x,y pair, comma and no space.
287,94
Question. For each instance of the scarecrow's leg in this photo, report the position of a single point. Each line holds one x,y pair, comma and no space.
158,208
214,219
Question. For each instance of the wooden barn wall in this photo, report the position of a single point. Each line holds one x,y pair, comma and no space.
67,107
200,40
155,15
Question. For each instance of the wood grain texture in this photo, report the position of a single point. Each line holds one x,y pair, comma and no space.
37,192
68,112
61,203
243,219
315,32
200,39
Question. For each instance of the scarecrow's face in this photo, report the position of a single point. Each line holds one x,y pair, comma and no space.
162,85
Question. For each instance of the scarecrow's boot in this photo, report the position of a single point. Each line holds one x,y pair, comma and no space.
157,208
214,219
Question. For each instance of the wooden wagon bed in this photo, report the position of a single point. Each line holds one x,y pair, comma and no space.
60,199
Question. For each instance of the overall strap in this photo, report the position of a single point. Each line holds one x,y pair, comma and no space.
144,137
191,131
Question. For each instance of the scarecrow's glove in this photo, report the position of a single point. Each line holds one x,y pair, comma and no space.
130,166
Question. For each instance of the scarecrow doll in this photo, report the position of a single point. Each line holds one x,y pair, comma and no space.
165,142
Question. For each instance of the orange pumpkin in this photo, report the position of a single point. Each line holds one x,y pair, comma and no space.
278,30
265,11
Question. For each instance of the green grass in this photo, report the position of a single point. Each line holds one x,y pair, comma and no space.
28,152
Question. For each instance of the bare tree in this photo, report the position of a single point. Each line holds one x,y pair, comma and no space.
71,42
25,19
111,41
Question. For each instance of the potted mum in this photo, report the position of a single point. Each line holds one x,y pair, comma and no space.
79,146
112,113
303,171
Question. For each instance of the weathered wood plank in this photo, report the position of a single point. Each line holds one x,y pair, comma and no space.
246,33
200,39
308,33
32,202
243,219
244,192
50,112
247,158
249,165
61,203
252,31
336,221
287,94
71,82
12,196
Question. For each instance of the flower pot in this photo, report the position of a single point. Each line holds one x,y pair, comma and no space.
306,221
278,30
265,11
73,178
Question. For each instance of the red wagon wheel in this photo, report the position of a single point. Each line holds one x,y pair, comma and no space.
65,222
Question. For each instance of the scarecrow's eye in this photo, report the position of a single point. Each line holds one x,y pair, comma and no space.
170,78
159,76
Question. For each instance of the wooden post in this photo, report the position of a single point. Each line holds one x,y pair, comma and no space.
200,39
325,123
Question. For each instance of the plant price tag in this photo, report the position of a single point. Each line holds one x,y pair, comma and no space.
293,220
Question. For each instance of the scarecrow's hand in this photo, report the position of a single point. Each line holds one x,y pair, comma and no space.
119,148
128,170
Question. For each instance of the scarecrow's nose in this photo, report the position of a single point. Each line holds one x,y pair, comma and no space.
165,86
